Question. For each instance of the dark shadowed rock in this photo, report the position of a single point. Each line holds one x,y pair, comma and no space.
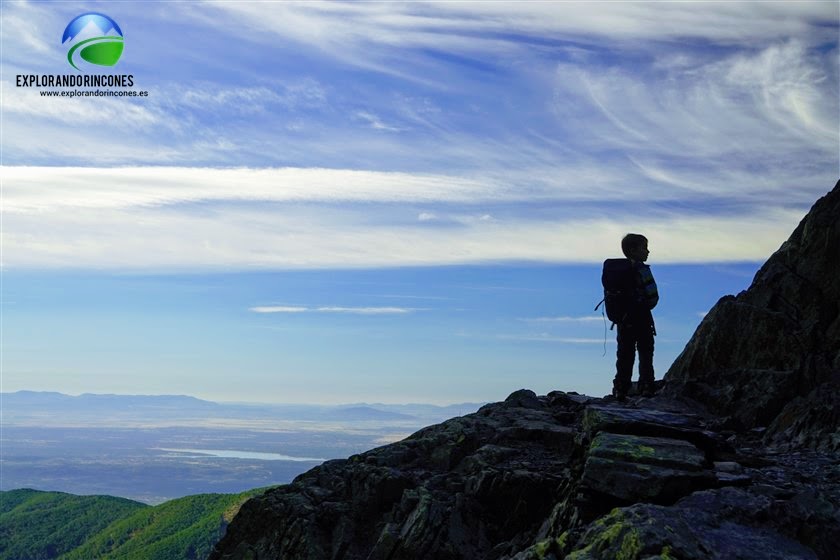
692,530
756,352
790,511
518,479
643,469
807,421
478,486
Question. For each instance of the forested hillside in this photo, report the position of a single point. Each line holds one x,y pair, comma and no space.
37,525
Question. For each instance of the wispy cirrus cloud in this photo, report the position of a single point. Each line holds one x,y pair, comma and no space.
368,310
29,24
39,188
29,188
708,108
432,133
266,235
278,309
546,337
585,319
334,309
364,34
304,93
598,84
375,122
116,112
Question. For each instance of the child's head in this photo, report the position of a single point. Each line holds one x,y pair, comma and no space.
635,247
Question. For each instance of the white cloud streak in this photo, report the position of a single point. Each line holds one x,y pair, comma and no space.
116,112
587,319
38,189
781,99
375,122
144,237
367,310
359,32
278,309
176,219
44,188
343,310
551,338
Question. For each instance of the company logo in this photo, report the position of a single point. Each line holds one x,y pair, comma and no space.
93,38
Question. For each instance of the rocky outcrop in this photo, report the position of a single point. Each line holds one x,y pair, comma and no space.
737,456
473,487
762,357
558,476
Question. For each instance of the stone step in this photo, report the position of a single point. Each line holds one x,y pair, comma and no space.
650,422
622,469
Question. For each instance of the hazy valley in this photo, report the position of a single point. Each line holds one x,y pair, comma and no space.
154,449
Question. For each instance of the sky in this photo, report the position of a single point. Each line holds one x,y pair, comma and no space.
394,202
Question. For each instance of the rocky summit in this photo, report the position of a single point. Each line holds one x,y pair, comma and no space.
737,456
770,356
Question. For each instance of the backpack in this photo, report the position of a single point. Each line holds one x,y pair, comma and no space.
619,281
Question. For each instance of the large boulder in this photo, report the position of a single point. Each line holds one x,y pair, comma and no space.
776,344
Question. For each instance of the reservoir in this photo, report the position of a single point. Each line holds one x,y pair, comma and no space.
231,454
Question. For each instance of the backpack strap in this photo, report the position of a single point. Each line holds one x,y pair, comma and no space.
612,326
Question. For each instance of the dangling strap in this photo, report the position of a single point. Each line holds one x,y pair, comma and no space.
605,324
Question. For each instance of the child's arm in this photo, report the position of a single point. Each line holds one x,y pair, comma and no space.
648,285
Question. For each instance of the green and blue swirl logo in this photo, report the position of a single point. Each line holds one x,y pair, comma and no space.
93,38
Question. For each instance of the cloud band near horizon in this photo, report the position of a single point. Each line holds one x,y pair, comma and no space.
184,219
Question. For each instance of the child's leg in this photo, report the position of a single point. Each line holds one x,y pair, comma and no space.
625,356
645,346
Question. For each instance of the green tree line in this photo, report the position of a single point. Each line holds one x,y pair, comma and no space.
37,525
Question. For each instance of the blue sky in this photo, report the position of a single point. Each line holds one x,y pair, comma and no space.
335,202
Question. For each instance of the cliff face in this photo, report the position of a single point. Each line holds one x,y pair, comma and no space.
771,354
693,473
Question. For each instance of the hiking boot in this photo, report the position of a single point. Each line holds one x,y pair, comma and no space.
647,389
619,391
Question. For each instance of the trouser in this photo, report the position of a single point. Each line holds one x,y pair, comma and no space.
631,338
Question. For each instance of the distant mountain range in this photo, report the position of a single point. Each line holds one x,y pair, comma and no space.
51,408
